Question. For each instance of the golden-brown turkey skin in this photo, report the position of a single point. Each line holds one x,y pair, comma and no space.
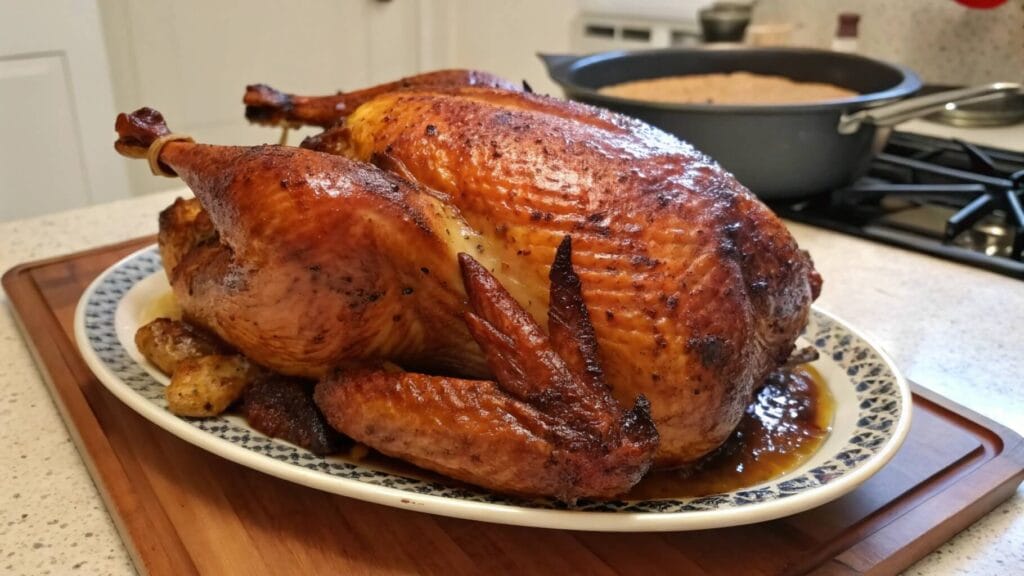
322,262
548,425
317,260
264,105
696,289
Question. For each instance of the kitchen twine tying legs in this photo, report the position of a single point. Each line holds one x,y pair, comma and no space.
153,154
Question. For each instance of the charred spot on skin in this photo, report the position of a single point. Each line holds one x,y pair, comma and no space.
643,260
319,338
671,302
759,286
431,130
425,270
660,341
536,215
406,291
396,318
609,315
712,350
315,268
727,245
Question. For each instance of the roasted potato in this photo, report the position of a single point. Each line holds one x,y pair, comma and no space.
207,386
166,343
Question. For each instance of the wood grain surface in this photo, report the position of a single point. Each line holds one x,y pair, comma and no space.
181,510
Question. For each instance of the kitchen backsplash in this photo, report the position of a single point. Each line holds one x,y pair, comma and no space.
944,42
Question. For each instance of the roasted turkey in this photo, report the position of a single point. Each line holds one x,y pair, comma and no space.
421,230
696,288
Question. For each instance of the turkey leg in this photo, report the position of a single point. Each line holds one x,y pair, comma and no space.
265,105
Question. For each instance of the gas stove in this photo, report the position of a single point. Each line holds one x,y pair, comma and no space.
948,198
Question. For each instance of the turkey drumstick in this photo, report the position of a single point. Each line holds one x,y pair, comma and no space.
304,261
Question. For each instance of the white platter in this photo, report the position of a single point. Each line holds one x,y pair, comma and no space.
871,420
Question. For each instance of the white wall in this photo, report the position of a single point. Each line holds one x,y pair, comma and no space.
504,36
191,59
944,42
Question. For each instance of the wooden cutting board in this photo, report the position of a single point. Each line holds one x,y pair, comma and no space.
181,510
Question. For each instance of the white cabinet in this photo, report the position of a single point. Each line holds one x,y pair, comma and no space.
56,110
504,36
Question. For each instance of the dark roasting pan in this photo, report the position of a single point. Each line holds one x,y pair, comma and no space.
778,151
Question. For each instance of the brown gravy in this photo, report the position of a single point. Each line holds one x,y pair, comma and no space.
788,421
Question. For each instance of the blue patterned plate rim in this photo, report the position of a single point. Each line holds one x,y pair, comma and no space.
873,405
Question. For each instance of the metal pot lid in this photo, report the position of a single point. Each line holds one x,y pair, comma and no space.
1002,111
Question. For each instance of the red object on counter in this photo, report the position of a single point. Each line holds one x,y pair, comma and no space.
982,4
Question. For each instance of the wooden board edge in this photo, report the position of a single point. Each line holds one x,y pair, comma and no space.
1012,443
20,289
17,270
1000,475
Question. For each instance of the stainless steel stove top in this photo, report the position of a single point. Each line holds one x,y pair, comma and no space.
948,198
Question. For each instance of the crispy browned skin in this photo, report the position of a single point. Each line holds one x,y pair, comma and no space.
283,408
183,226
319,260
696,289
548,425
264,105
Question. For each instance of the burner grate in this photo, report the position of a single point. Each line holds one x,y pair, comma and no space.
950,198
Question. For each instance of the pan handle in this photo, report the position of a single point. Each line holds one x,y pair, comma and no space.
558,66
903,110
555,61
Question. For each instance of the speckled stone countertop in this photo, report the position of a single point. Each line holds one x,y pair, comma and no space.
952,328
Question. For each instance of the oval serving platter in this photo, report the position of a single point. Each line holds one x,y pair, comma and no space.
872,418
